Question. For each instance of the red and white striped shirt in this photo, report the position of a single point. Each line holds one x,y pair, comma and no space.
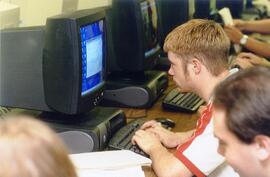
199,154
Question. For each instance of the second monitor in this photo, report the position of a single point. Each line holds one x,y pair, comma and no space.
133,40
133,50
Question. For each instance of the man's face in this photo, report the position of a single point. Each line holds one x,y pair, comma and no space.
238,154
181,78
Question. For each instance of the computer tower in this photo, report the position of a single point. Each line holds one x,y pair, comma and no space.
88,132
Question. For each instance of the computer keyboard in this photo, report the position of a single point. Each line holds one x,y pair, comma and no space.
122,138
182,102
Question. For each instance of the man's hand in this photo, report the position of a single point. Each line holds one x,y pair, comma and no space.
167,138
253,59
147,141
242,63
164,162
246,60
233,33
150,124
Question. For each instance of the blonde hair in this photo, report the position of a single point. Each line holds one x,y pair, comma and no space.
202,39
28,148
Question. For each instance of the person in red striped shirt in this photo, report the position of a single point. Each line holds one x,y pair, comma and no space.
198,51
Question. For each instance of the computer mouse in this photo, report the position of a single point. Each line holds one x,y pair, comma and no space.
165,122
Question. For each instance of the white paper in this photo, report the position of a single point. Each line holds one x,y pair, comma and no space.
109,160
226,16
125,172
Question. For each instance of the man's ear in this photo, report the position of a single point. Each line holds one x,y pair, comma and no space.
262,145
195,65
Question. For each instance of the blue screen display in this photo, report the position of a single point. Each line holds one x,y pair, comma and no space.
92,56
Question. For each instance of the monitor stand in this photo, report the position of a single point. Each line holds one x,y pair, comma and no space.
136,91
88,132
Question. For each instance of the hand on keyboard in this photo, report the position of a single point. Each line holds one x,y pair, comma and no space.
150,124
122,138
167,138
147,141
160,121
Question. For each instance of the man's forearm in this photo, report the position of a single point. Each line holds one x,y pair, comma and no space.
165,164
184,136
259,26
257,47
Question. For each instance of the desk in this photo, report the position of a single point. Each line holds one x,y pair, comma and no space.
184,122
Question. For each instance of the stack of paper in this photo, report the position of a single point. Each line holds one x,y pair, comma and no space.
121,163
125,172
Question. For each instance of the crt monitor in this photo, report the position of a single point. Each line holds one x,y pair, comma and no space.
171,13
58,67
133,41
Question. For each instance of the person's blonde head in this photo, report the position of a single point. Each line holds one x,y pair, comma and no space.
201,39
28,148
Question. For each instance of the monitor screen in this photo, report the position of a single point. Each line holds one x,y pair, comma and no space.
149,16
92,56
